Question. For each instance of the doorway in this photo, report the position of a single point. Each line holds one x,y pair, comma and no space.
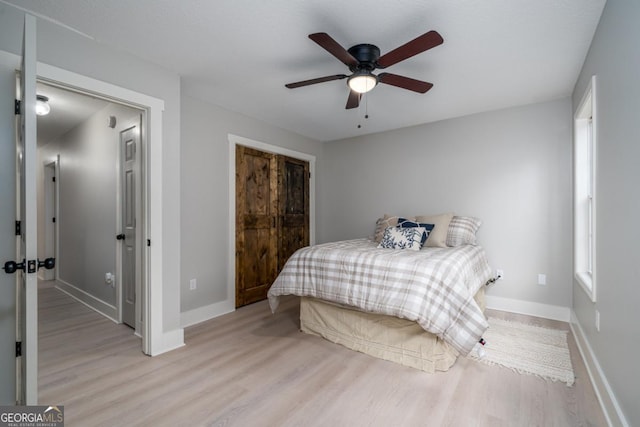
155,340
82,137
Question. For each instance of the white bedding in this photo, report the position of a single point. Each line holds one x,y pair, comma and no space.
433,286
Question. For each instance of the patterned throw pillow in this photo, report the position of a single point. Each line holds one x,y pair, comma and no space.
406,223
462,230
402,238
382,224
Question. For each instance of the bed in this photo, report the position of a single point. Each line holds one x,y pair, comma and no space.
420,308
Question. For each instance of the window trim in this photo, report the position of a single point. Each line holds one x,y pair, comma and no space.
584,246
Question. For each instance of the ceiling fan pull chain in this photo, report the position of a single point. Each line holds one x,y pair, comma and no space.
366,107
360,106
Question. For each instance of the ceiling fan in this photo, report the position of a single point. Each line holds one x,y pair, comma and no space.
363,59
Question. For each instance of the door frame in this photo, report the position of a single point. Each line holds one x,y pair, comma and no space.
262,146
153,338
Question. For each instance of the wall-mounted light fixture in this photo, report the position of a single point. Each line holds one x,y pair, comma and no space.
42,105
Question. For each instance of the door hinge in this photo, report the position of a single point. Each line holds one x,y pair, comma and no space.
53,178
18,348
148,242
18,228
17,107
53,219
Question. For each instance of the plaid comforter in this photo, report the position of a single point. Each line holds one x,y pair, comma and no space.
433,286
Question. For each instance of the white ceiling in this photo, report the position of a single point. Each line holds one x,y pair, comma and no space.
238,54
68,109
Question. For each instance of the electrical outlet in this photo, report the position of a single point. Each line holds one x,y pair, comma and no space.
110,279
542,279
500,274
192,284
597,321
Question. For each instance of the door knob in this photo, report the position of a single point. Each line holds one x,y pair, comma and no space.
48,263
10,267
120,236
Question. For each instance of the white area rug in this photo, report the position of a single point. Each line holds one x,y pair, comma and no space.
528,349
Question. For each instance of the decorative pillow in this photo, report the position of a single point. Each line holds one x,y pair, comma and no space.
462,230
382,224
406,223
402,238
438,236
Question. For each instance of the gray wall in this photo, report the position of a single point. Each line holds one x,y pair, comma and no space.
7,236
511,168
614,58
205,192
87,200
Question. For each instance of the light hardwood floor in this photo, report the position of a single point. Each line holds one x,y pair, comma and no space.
252,368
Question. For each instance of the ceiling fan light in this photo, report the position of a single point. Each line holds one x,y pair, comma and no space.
362,82
42,105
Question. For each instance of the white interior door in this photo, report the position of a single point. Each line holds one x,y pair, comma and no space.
130,193
26,279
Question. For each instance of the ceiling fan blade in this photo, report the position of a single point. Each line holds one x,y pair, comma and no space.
404,82
314,81
334,48
354,100
409,49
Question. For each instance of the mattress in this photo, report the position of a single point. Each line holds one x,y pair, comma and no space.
385,337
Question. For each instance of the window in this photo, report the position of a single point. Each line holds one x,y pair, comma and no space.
584,248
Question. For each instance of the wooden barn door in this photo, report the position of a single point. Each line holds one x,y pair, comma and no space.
256,232
293,207
272,218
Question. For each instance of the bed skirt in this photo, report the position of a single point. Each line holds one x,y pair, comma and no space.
385,337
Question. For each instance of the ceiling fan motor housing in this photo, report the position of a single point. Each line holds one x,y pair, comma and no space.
367,56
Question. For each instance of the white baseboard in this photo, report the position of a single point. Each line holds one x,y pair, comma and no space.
610,406
197,315
170,341
546,311
107,310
